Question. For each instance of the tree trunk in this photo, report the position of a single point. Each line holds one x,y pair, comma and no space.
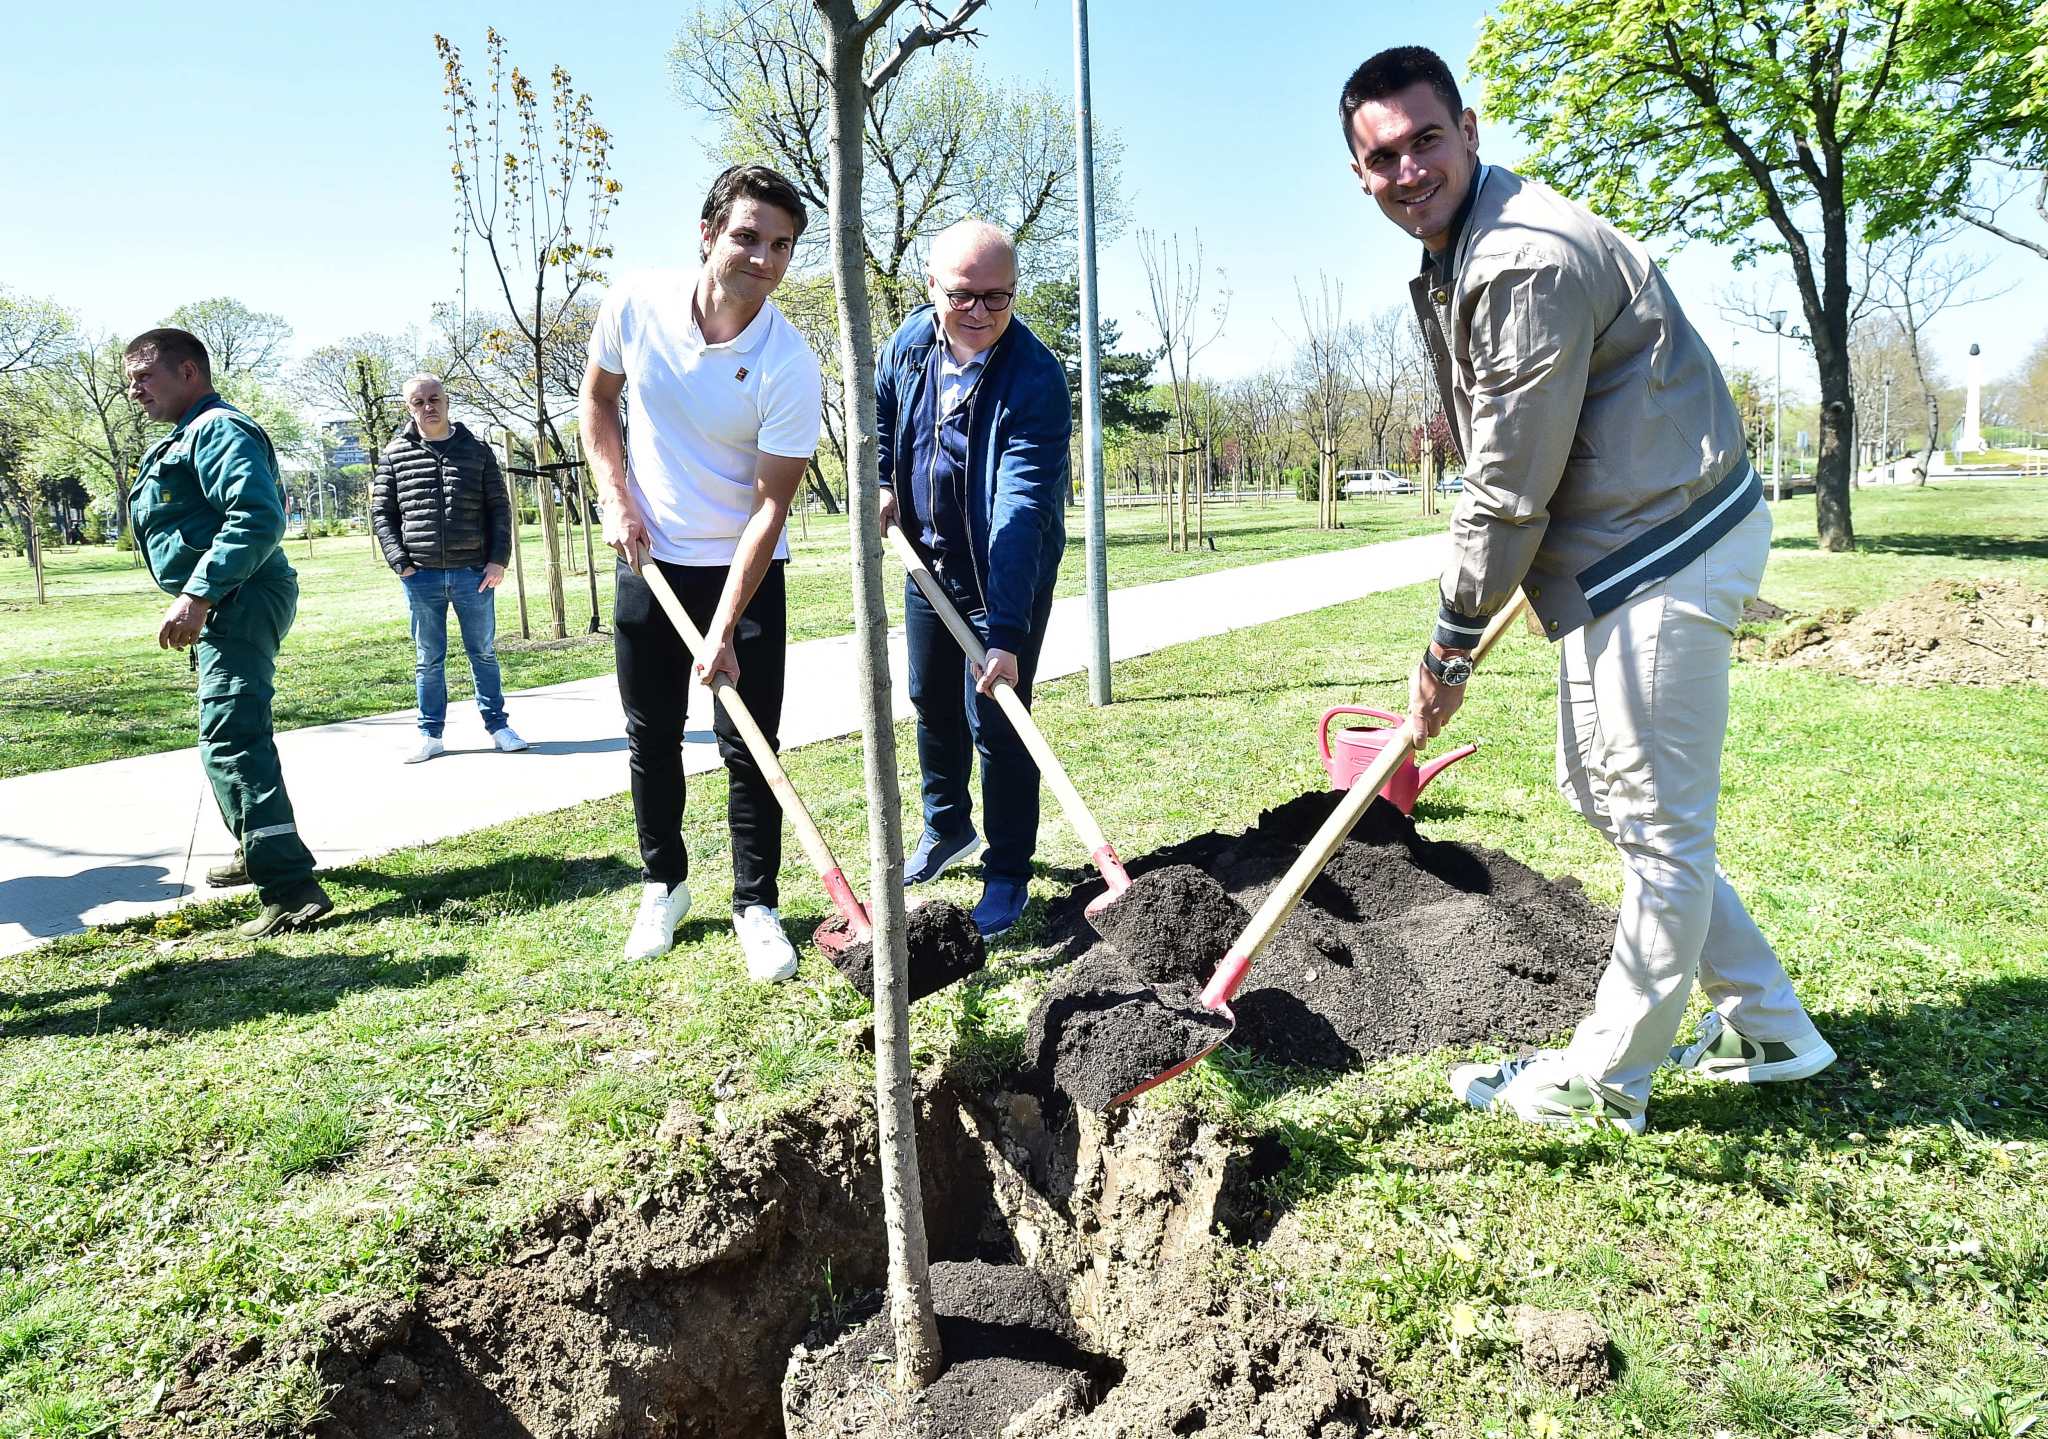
518,557
916,1332
822,490
1926,460
544,495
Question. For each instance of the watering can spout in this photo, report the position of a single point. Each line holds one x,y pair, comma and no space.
1437,766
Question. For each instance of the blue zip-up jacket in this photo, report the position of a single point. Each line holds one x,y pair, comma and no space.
1020,422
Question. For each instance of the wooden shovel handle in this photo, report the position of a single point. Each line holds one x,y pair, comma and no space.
1394,752
727,694
1076,808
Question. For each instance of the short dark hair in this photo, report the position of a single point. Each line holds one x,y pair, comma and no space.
173,348
754,181
1392,71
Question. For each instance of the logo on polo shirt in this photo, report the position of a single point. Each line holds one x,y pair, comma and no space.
741,373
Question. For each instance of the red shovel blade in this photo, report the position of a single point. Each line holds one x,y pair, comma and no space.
1184,1066
836,936
1113,875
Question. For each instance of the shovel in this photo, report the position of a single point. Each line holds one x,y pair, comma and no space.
1396,751
829,937
1078,814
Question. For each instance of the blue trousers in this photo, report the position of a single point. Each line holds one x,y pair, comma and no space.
954,724
431,593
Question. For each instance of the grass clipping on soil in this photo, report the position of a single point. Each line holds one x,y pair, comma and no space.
1987,632
1403,944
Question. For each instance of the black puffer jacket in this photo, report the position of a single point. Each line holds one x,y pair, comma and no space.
441,508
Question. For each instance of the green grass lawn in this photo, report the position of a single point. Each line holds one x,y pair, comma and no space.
82,680
198,1134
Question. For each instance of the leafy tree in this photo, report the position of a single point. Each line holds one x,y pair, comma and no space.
1052,308
32,333
88,425
240,340
360,378
1770,128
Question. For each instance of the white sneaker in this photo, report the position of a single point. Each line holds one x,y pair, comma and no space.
1721,1051
771,958
430,745
1542,1090
654,928
508,740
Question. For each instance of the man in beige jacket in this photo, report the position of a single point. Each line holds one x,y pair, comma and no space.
1605,476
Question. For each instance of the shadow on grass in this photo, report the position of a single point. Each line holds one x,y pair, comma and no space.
213,994
1960,547
1980,1063
513,884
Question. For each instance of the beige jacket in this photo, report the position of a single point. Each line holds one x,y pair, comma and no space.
1602,449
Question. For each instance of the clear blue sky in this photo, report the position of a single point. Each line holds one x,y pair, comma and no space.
295,157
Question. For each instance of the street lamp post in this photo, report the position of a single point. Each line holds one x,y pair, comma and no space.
1091,372
1778,411
1885,445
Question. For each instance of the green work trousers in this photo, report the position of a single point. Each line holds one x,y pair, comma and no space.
237,655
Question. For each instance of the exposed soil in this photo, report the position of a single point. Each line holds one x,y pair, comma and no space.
1403,944
1567,1348
1010,1347
1986,632
943,944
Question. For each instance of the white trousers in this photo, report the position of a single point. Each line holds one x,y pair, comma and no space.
1642,714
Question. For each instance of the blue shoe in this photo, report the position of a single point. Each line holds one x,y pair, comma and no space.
1002,905
934,856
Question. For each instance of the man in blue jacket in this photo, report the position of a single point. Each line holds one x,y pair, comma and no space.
209,520
975,421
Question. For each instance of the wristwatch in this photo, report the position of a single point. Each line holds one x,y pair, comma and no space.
1453,671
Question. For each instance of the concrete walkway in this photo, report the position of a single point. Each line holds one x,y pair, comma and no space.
106,842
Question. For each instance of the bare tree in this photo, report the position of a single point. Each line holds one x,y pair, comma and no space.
32,333
857,59
1914,280
537,200
1175,290
360,379
1324,361
1984,204
942,143
241,341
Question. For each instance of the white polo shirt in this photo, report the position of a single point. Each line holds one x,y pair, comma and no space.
702,415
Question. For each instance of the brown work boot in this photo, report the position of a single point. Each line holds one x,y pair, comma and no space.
298,909
234,872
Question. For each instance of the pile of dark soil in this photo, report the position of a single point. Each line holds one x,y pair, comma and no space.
1987,632
1010,1348
1403,944
944,946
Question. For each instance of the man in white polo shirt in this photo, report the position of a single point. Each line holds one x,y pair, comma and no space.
725,415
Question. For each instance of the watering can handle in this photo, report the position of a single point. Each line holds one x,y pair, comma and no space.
1323,729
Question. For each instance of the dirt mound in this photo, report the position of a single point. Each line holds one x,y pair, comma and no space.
1402,944
1987,632
943,946
1564,1347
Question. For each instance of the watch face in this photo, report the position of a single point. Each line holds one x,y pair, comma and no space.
1457,670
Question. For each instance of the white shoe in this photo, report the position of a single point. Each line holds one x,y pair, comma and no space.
508,740
771,958
430,745
1542,1090
1721,1051
654,928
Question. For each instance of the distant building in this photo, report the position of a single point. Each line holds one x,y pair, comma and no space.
347,445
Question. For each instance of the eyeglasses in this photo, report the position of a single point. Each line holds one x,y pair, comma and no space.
994,301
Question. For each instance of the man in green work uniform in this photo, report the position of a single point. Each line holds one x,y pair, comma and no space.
209,519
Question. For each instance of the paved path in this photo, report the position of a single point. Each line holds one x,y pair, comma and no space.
106,842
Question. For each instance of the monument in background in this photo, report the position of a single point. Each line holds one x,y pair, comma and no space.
1972,440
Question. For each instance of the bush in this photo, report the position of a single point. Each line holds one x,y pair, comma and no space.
95,524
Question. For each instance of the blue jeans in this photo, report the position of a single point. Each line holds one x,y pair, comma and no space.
954,724
430,593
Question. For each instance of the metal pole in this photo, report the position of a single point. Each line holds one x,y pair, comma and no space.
1884,445
1778,423
1091,374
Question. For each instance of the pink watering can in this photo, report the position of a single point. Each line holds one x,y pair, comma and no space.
1357,748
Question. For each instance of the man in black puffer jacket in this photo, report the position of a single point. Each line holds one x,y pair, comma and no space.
442,515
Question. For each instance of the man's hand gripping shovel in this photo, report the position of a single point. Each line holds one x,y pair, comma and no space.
1230,974
830,936
1078,814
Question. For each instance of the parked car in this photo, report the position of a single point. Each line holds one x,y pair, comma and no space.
1374,482
1452,482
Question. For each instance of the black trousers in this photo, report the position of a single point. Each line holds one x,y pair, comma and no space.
656,673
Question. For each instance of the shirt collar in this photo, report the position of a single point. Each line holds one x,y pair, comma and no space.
1442,266
745,341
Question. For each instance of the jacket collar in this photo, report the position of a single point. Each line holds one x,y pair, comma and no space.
200,406
1442,266
456,430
